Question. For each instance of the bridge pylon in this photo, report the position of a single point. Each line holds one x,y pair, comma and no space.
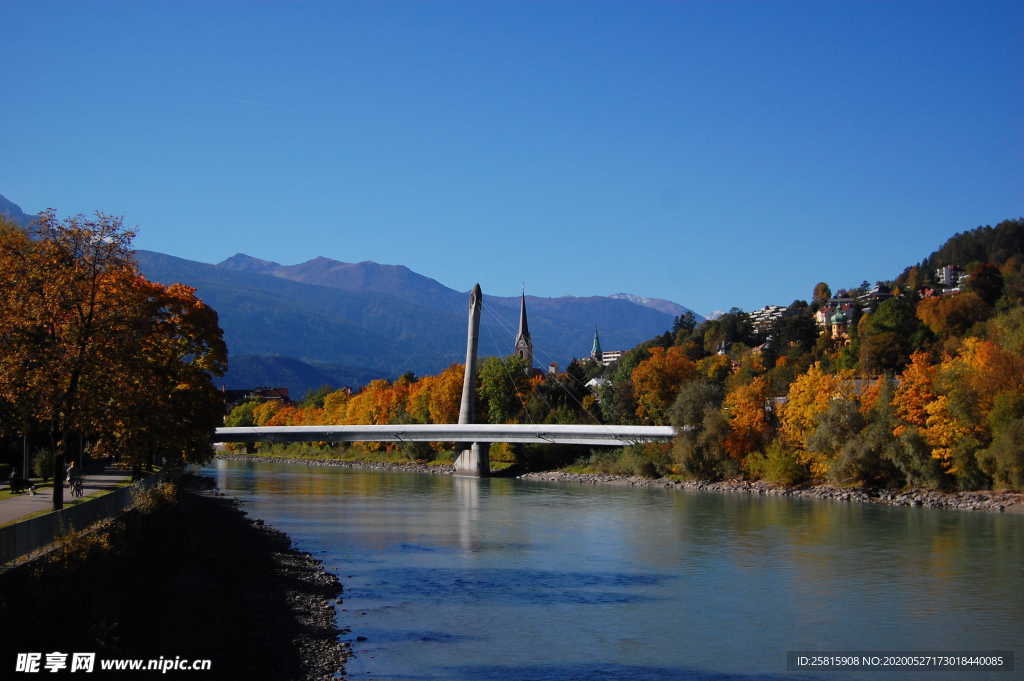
475,460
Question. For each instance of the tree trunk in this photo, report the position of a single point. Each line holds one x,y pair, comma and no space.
58,479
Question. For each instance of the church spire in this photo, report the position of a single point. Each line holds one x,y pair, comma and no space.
524,346
595,350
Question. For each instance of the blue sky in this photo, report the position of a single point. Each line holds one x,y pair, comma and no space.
717,154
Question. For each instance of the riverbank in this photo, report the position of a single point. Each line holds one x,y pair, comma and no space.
989,501
959,501
404,467
187,574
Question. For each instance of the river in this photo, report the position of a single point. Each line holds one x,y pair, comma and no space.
497,579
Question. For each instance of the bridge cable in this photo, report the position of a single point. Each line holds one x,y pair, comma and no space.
558,382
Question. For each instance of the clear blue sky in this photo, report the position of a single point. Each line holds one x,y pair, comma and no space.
711,153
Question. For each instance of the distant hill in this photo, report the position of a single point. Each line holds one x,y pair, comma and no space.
13,212
996,245
988,244
250,371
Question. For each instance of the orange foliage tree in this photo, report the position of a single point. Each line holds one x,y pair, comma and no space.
748,419
656,382
92,349
915,391
953,314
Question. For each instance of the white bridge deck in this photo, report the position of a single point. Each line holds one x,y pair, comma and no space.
600,435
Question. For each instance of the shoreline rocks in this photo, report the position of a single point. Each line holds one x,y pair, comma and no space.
990,501
958,501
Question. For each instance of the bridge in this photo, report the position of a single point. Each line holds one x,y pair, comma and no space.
597,436
475,459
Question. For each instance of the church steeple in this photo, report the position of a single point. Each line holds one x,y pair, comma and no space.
524,346
595,350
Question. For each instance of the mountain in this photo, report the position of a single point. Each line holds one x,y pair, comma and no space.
394,280
666,306
366,319
13,212
251,371
327,321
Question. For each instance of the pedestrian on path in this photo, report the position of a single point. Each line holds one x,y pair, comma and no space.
18,484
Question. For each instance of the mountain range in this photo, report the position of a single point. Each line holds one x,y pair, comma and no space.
330,322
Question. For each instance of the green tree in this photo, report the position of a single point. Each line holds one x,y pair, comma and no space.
986,281
241,416
821,293
888,336
503,388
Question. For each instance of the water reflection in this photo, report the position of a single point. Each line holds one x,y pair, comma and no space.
452,578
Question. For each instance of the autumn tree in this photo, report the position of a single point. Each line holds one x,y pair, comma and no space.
745,407
808,397
656,382
92,348
953,315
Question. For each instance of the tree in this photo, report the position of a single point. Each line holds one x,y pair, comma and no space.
953,315
54,322
165,405
915,391
986,281
656,382
683,325
809,396
93,349
502,387
821,293
748,418
694,398
888,336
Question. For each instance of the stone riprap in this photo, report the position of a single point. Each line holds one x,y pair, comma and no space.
961,501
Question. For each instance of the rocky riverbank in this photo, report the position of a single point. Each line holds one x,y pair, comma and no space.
961,501
185,575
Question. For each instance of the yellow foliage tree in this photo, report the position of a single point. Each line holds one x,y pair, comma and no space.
808,397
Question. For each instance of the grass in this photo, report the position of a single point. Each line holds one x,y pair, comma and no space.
6,493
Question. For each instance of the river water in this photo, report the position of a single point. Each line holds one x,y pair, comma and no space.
457,578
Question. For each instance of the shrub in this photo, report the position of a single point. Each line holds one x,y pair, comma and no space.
1003,460
42,464
778,464
701,453
913,457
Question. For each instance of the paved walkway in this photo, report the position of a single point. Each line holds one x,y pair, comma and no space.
23,504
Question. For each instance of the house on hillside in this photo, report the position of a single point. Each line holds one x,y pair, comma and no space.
235,397
763,319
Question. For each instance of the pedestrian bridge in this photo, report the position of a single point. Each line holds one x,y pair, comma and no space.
597,436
